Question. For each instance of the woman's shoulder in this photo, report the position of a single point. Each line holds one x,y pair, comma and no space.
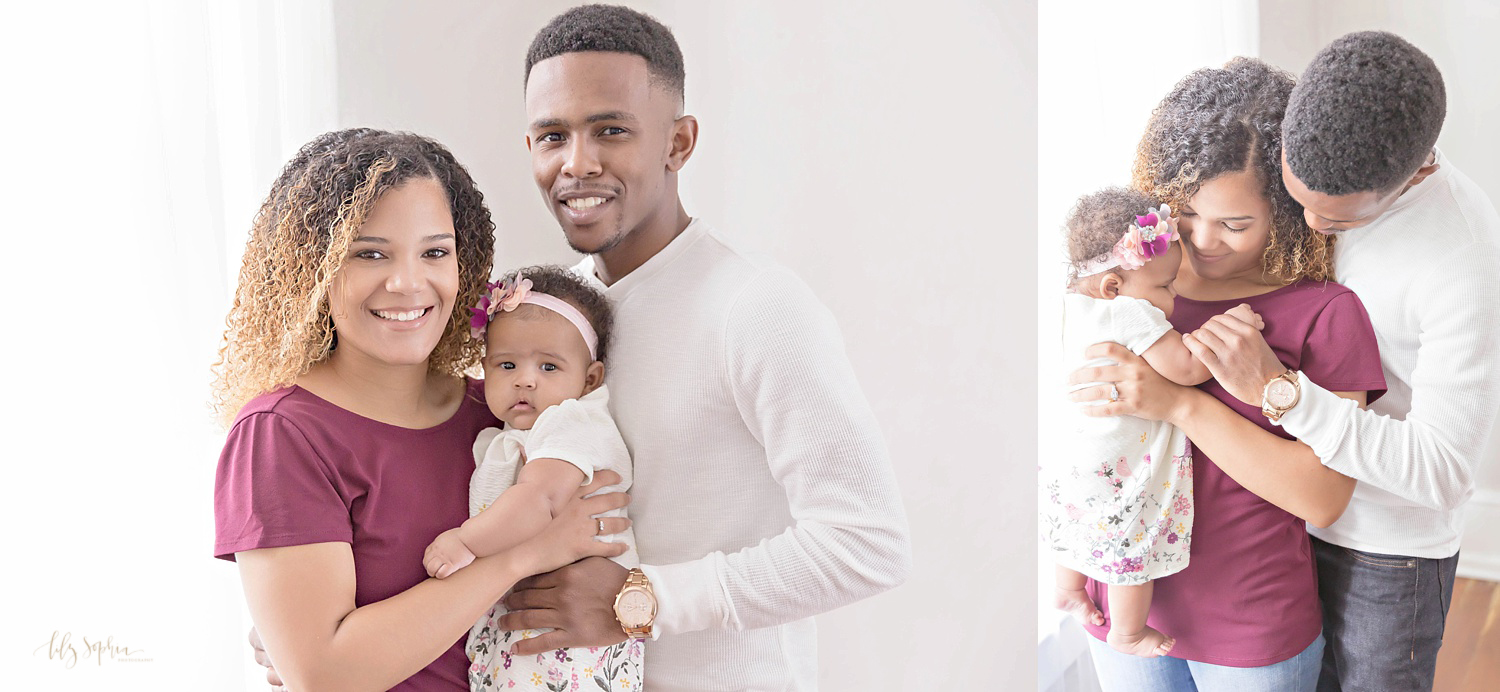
314,415
1306,296
289,416
291,402
1325,289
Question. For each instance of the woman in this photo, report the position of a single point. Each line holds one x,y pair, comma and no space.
1245,611
350,451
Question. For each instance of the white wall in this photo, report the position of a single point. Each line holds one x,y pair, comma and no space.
140,137
886,156
1460,37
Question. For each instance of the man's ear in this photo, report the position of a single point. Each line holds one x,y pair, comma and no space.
1110,284
593,377
1422,173
684,138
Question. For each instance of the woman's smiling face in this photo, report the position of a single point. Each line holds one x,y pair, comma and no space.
1225,227
394,294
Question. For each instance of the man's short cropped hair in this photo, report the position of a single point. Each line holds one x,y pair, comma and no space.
1364,116
613,29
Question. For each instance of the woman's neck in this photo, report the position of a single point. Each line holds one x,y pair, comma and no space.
1194,287
407,396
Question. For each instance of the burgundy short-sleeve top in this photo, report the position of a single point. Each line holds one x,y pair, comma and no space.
1249,595
297,470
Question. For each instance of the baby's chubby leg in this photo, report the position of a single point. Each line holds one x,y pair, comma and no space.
1128,633
1073,599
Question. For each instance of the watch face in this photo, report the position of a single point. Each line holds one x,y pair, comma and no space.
635,608
1281,394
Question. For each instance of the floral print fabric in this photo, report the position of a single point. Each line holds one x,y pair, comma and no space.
1122,520
1117,492
492,667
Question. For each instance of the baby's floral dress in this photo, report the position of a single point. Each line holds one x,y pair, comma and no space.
492,667
1116,492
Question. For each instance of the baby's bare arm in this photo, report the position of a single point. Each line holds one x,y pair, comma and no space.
523,510
1170,357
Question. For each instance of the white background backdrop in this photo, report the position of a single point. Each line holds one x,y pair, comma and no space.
887,156
1103,66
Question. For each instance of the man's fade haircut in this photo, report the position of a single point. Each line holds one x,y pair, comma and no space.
1365,115
611,29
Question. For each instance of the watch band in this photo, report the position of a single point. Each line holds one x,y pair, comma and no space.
636,582
1272,411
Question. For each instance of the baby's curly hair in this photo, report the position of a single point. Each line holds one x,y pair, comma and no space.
561,282
1097,222
1227,120
280,325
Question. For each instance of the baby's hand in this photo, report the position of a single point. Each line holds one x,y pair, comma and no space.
446,555
1243,313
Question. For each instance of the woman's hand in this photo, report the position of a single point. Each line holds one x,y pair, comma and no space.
1143,392
572,534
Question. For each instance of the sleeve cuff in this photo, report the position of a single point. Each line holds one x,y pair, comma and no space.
688,596
1318,419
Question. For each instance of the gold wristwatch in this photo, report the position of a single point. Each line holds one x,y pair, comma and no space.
1280,395
635,605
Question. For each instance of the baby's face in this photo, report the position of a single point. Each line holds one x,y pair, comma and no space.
1153,282
534,359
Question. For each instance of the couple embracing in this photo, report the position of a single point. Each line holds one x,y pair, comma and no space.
1264,484
709,382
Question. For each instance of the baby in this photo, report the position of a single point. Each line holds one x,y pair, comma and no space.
545,334
1117,501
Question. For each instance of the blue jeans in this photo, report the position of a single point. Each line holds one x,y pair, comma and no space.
1383,616
1126,673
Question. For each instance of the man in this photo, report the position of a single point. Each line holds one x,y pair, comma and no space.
1420,244
763,490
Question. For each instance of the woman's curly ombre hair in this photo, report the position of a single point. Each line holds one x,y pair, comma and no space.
280,325
1226,120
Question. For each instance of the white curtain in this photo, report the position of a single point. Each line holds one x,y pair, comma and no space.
141,137
1102,67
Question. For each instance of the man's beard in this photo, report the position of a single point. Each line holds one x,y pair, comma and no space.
609,243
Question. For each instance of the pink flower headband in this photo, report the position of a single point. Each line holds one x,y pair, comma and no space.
1149,237
507,294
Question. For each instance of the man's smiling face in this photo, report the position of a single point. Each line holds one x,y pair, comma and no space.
600,135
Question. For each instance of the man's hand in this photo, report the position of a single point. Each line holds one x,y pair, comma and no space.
1236,354
446,555
1144,393
264,659
577,601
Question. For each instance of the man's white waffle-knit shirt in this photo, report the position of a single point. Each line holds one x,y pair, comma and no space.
764,492
1428,272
